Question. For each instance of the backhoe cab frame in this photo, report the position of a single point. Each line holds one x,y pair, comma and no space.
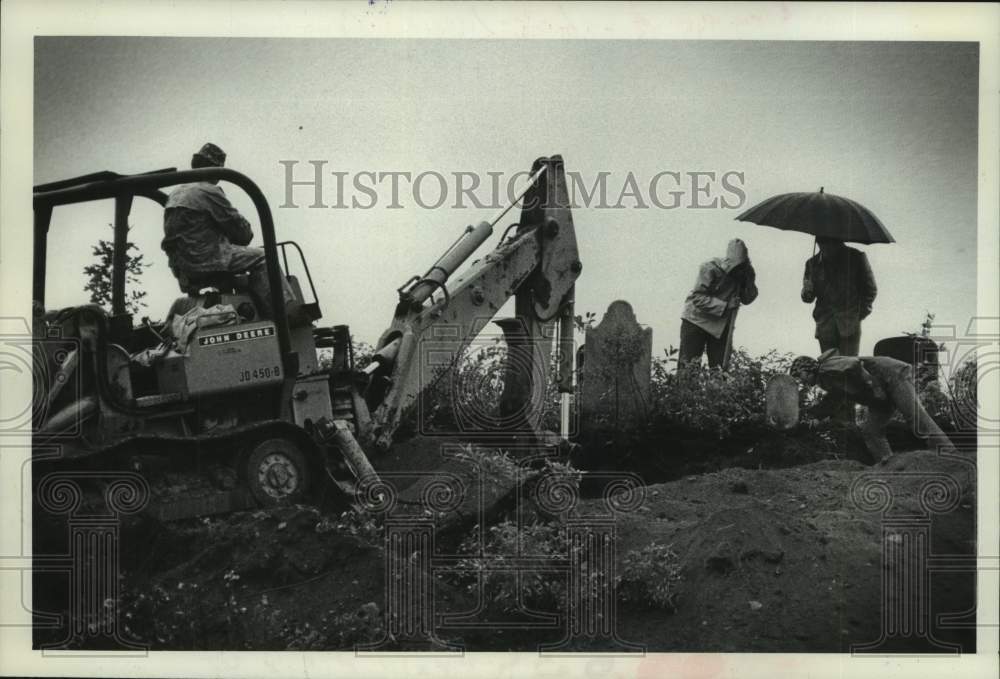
249,397
123,190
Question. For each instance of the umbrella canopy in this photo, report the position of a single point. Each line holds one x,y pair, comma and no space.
820,214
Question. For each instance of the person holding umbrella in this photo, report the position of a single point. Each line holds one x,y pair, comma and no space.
840,281
723,284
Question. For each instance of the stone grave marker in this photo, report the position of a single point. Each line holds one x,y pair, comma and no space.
782,399
615,372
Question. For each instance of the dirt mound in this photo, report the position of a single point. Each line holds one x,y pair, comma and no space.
784,559
285,578
787,559
459,483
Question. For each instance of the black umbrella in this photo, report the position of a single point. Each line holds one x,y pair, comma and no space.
820,214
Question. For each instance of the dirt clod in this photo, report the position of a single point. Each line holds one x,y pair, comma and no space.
739,487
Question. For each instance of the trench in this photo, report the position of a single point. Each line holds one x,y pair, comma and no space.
672,453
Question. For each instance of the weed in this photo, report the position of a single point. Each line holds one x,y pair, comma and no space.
651,577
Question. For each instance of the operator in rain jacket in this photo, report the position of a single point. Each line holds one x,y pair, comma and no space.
204,233
723,284
840,281
883,384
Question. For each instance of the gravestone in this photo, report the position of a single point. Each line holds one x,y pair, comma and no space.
615,371
782,398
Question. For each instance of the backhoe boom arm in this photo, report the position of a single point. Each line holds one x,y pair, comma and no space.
537,266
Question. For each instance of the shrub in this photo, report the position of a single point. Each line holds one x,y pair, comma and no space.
963,393
505,591
953,402
936,402
651,576
465,396
495,463
564,471
698,398
362,352
712,400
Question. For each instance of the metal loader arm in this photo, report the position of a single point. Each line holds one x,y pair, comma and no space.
538,266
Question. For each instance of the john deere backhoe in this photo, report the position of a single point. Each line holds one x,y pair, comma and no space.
248,408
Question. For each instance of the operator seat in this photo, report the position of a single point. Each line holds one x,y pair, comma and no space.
229,283
225,282
220,283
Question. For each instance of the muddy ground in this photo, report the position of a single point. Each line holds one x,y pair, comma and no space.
756,545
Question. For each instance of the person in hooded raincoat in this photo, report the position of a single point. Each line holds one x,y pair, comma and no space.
204,233
883,384
723,284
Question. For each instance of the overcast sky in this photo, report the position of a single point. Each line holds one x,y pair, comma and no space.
890,125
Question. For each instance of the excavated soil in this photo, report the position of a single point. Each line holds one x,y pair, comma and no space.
785,560
773,554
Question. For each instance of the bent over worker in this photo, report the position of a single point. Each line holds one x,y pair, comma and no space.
723,284
883,384
204,233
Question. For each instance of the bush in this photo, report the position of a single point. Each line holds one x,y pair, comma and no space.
465,397
651,576
362,352
711,400
697,398
505,591
963,387
937,403
953,403
493,462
